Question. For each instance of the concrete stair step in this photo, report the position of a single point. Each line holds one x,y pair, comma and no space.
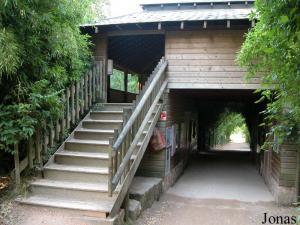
93,134
79,191
86,145
73,173
82,158
101,124
106,115
99,209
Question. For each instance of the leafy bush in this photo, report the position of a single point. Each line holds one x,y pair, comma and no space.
41,51
228,123
272,50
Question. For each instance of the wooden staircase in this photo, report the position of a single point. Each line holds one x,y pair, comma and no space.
81,174
76,176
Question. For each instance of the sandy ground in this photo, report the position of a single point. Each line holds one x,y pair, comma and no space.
222,175
174,210
32,215
219,188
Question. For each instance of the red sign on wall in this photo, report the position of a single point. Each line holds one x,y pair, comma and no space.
163,116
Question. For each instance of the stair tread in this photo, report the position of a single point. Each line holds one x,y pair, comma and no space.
94,130
103,206
101,187
84,141
108,112
102,121
83,154
72,168
117,104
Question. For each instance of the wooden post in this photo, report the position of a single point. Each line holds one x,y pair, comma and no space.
17,164
38,147
90,77
82,96
86,97
72,104
29,153
94,82
62,125
126,86
128,139
108,88
115,154
126,206
98,89
45,144
110,167
77,108
68,108
57,131
102,81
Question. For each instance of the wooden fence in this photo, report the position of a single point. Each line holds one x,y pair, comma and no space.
78,99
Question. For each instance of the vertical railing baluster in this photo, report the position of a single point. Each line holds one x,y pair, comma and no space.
110,167
57,129
86,97
72,104
38,147
17,164
62,121
77,107
115,153
68,108
29,153
90,77
94,82
82,96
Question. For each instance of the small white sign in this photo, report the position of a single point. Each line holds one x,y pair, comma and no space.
110,66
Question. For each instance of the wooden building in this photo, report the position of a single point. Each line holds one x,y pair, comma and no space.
200,41
183,55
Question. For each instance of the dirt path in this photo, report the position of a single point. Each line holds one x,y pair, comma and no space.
174,210
218,188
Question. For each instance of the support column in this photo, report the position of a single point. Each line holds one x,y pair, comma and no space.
126,86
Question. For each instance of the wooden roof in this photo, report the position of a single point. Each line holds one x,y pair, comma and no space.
198,11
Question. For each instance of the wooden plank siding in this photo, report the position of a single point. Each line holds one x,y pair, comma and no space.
100,54
153,163
175,104
206,60
288,165
284,165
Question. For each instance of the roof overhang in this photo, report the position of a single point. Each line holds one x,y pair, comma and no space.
153,19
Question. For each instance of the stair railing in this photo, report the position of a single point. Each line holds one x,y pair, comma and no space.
78,99
125,156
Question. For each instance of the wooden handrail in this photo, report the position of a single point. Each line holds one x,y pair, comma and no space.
131,149
139,107
124,145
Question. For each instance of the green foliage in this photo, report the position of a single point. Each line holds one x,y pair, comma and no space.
117,81
41,51
272,50
133,81
229,123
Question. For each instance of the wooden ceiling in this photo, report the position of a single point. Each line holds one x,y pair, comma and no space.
137,53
